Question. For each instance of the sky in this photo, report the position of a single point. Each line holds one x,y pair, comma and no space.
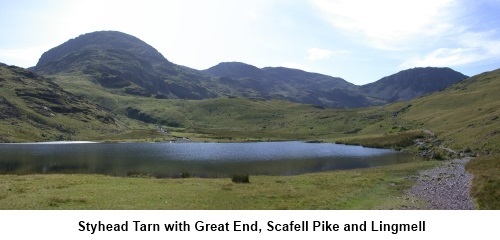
360,41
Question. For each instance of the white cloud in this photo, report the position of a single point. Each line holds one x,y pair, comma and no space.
472,47
318,53
443,57
387,24
441,33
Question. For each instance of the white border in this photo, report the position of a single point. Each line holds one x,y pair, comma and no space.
441,224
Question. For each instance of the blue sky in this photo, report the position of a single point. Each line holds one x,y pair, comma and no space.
360,41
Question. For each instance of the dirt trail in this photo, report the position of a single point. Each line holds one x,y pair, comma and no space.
445,187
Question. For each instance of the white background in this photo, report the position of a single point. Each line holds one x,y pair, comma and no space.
65,224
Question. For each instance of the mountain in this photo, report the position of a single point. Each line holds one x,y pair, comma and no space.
235,70
33,108
123,63
313,88
409,84
290,84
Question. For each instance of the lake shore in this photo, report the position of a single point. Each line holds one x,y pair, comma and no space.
446,186
55,142
369,188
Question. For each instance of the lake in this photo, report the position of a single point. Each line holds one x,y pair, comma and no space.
197,159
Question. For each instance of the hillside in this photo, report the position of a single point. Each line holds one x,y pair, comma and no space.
411,83
33,108
464,117
223,118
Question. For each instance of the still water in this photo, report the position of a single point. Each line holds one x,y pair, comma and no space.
197,159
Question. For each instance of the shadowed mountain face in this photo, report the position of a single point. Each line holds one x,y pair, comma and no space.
412,83
117,60
125,64
304,87
291,84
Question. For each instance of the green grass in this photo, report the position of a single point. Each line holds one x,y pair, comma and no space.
393,140
465,115
375,188
486,182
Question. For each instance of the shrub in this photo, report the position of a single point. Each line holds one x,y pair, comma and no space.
236,178
185,175
438,156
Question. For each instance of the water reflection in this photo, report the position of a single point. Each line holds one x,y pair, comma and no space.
198,159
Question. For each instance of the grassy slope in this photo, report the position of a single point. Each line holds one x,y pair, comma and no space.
35,109
467,116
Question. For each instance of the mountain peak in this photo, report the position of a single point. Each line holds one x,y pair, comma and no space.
234,70
102,40
122,62
234,64
411,83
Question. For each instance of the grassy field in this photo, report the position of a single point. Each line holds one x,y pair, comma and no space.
376,188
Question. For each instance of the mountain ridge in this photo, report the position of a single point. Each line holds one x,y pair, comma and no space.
124,64
292,84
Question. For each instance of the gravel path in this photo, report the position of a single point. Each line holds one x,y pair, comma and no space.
445,187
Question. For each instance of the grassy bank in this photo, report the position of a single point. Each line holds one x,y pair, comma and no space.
375,188
394,141
486,182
